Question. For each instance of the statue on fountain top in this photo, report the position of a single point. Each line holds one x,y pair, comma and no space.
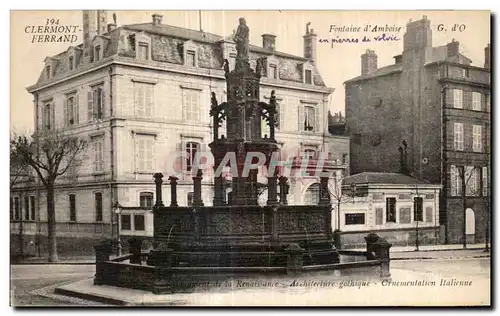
241,40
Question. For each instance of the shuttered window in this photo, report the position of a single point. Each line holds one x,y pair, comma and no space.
144,153
144,99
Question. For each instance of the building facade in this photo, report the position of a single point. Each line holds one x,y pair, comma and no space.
435,104
140,94
393,205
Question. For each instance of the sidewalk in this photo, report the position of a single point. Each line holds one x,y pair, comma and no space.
453,251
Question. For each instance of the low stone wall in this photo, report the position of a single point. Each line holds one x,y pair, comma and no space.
156,271
397,237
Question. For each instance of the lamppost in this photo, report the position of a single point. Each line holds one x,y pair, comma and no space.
416,208
118,209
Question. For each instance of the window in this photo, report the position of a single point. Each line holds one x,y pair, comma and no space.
390,210
17,210
146,199
429,214
125,222
309,118
485,181
71,110
311,196
477,139
144,103
11,209
456,181
47,116
457,99
476,101
139,222
190,58
418,210
191,149
190,197
72,208
344,159
473,181
48,71
487,102
32,208
191,106
27,208
308,76
405,215
379,216
97,53
98,152
71,63
145,153
355,218
309,153
95,106
273,72
98,206
458,139
143,51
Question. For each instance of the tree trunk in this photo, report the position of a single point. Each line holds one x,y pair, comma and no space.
51,219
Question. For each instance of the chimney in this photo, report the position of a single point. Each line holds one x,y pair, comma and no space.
102,21
157,19
452,48
418,34
310,44
111,26
89,31
487,57
269,41
368,62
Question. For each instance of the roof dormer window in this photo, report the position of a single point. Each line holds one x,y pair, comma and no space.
190,54
71,63
143,51
307,73
48,71
272,70
308,76
142,46
97,53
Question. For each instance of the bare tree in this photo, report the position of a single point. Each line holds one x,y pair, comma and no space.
466,176
50,155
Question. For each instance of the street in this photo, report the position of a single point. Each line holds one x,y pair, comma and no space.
32,285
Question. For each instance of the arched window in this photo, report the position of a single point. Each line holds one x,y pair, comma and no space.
191,149
311,196
470,222
146,199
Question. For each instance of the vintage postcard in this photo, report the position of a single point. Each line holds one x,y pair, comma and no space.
250,158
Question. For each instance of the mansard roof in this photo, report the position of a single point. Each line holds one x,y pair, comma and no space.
165,40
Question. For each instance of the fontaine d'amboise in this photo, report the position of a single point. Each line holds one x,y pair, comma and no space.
237,238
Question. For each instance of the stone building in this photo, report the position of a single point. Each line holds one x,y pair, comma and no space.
393,205
435,103
141,93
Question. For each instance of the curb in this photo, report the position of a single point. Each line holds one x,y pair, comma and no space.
91,297
439,258
54,263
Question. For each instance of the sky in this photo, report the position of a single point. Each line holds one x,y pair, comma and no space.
337,63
